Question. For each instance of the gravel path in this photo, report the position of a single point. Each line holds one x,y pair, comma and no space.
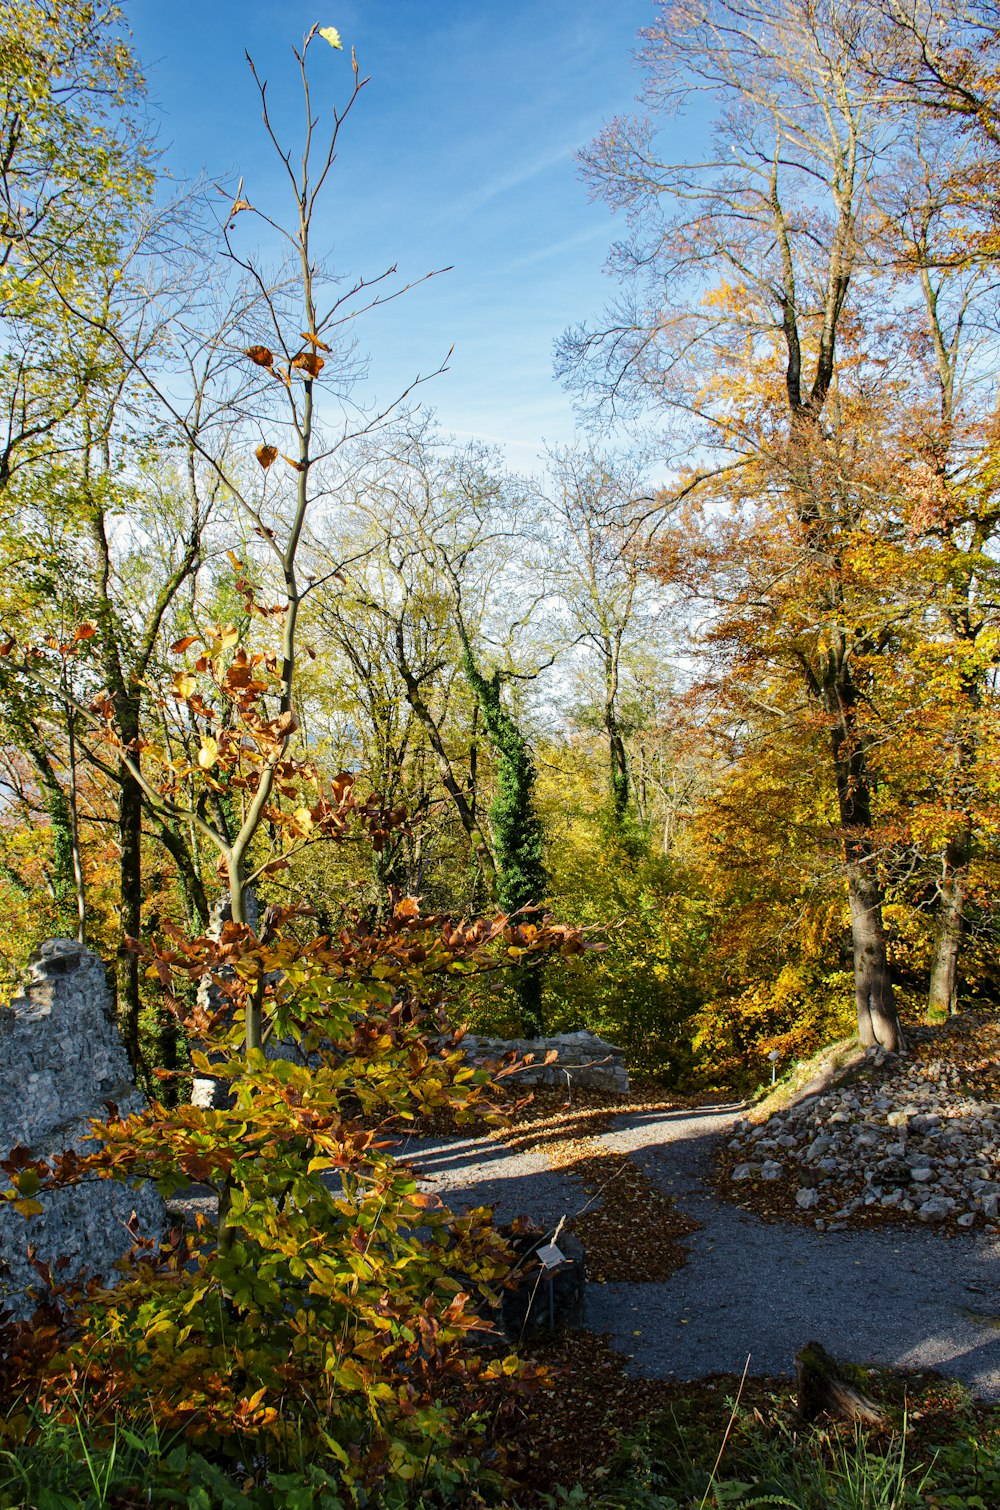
904,1297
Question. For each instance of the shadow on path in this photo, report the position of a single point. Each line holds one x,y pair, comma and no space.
900,1296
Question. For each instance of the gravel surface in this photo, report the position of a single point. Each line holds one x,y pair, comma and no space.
473,1171
904,1297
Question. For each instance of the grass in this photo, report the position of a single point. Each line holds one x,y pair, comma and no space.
835,1060
69,1464
941,1452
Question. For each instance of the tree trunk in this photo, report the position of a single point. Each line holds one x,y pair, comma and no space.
527,981
877,1019
618,756
74,811
187,873
878,1022
619,770
942,997
130,906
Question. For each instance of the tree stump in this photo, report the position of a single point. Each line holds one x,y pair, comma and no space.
823,1386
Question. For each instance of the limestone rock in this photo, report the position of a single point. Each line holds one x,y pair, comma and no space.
61,1061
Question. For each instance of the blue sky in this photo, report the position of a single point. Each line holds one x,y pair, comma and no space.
461,153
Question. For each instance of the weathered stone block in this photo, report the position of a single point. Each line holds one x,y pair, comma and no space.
581,1059
61,1060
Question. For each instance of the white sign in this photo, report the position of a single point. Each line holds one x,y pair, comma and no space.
551,1256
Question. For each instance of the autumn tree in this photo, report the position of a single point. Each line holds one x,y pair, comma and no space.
934,233
749,320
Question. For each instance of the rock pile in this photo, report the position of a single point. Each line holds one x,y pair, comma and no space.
903,1140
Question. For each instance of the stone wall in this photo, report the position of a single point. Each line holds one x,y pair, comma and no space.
61,1059
581,1059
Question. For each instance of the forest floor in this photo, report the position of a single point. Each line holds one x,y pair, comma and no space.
689,1276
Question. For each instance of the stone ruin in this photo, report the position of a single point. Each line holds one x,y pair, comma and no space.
61,1059
581,1059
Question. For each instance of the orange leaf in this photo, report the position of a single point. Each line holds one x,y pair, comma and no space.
261,355
425,1202
310,362
265,455
299,466
179,646
85,632
314,340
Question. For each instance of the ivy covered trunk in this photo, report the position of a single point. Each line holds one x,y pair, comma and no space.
517,830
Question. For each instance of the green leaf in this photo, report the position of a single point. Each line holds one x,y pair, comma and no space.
332,35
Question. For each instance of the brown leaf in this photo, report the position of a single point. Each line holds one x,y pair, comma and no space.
261,355
265,455
310,362
299,466
314,340
286,723
179,646
7,647
85,631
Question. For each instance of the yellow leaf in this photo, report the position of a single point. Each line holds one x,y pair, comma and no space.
303,818
332,35
208,754
183,685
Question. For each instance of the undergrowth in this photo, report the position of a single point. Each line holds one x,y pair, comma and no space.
942,1452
